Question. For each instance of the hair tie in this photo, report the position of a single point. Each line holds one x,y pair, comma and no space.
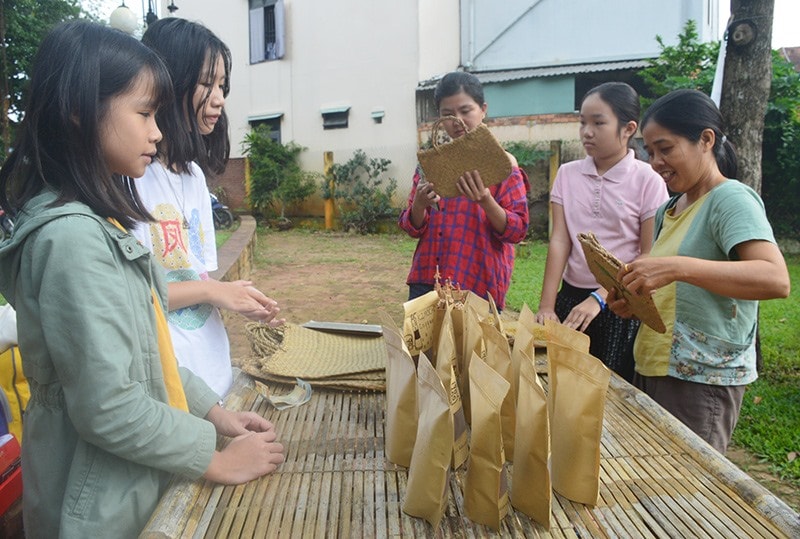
724,139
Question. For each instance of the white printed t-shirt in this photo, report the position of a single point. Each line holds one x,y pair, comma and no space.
187,254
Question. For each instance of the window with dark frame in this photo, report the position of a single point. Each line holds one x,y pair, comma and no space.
266,30
269,32
335,118
273,123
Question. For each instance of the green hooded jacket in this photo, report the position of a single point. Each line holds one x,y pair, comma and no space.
100,442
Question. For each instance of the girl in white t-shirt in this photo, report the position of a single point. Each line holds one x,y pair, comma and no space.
174,192
614,195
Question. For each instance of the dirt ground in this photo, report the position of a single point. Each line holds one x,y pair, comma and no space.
329,277
348,278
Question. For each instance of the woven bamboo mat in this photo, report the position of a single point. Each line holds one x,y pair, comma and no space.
326,360
657,480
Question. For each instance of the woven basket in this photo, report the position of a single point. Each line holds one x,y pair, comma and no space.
478,150
605,266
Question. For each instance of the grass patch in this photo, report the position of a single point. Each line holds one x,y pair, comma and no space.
221,236
769,426
526,280
769,423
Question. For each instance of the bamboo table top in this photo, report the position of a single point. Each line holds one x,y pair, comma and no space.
658,479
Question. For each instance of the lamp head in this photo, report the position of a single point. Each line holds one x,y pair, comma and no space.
123,19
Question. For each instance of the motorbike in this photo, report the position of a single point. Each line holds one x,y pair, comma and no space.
223,217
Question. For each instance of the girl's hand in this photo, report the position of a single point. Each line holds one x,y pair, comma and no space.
546,314
245,458
425,196
471,186
231,423
582,314
242,297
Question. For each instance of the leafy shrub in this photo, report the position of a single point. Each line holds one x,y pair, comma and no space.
276,179
528,153
363,196
780,161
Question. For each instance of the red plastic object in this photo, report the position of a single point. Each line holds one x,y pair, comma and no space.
10,472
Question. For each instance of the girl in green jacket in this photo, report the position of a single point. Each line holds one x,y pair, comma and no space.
111,415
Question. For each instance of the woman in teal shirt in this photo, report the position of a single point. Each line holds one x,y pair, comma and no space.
714,256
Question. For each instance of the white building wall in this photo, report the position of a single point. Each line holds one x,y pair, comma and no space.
371,54
364,54
439,40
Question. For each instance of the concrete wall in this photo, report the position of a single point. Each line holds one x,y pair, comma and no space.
533,33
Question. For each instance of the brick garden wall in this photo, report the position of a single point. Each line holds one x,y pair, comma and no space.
231,185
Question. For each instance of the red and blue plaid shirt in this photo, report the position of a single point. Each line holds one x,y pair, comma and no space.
460,240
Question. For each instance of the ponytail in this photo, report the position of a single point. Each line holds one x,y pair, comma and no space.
725,154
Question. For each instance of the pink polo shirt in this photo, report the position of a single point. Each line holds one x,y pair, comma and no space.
613,206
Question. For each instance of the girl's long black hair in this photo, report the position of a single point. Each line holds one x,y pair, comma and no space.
185,46
79,67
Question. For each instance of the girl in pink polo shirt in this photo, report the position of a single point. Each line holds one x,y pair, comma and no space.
614,195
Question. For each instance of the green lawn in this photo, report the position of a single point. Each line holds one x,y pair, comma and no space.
221,236
769,424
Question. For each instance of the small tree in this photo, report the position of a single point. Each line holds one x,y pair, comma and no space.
690,64
23,24
276,178
363,197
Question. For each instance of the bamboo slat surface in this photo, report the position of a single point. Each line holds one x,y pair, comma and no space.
658,479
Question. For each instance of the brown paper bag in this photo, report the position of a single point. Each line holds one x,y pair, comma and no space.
498,357
486,482
576,400
531,491
401,399
418,322
561,334
473,342
480,305
429,473
523,348
527,318
446,355
494,313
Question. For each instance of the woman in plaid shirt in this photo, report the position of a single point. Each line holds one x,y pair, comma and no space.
469,238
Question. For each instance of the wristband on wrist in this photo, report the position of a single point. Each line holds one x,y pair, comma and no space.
600,300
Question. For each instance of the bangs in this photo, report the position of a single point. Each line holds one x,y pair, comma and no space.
160,83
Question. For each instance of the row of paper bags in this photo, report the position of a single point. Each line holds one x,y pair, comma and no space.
481,403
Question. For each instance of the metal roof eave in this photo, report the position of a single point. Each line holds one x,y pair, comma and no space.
548,71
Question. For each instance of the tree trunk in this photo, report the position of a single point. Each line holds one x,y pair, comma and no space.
746,83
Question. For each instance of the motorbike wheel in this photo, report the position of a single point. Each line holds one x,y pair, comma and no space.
223,218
